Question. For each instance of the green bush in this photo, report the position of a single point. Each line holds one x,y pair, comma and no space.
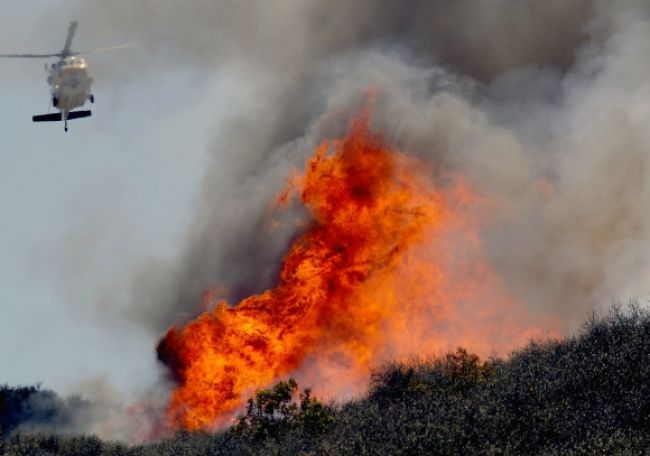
274,412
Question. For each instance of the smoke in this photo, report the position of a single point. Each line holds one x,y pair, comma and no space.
543,105
301,68
562,154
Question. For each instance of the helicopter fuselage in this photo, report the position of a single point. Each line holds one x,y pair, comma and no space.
70,83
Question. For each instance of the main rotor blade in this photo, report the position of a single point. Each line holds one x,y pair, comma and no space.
105,49
68,40
30,56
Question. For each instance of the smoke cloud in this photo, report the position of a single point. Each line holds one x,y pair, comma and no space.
448,74
542,104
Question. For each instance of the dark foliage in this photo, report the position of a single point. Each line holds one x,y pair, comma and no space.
31,408
584,395
274,412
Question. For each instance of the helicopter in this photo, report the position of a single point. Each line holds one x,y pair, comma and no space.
69,80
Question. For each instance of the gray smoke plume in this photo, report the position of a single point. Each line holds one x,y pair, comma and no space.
455,80
541,104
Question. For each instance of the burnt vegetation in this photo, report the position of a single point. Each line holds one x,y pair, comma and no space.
589,394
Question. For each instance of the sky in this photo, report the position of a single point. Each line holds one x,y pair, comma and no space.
81,210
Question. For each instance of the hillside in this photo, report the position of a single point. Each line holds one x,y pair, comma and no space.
589,394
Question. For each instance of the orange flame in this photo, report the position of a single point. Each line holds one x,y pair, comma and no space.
390,267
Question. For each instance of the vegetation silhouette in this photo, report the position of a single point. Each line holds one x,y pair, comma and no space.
587,394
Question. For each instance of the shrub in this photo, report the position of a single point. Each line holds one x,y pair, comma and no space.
274,412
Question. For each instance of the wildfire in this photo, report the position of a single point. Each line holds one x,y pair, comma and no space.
390,266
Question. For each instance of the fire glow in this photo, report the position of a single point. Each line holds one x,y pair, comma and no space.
390,266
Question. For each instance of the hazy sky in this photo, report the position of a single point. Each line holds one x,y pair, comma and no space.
81,210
